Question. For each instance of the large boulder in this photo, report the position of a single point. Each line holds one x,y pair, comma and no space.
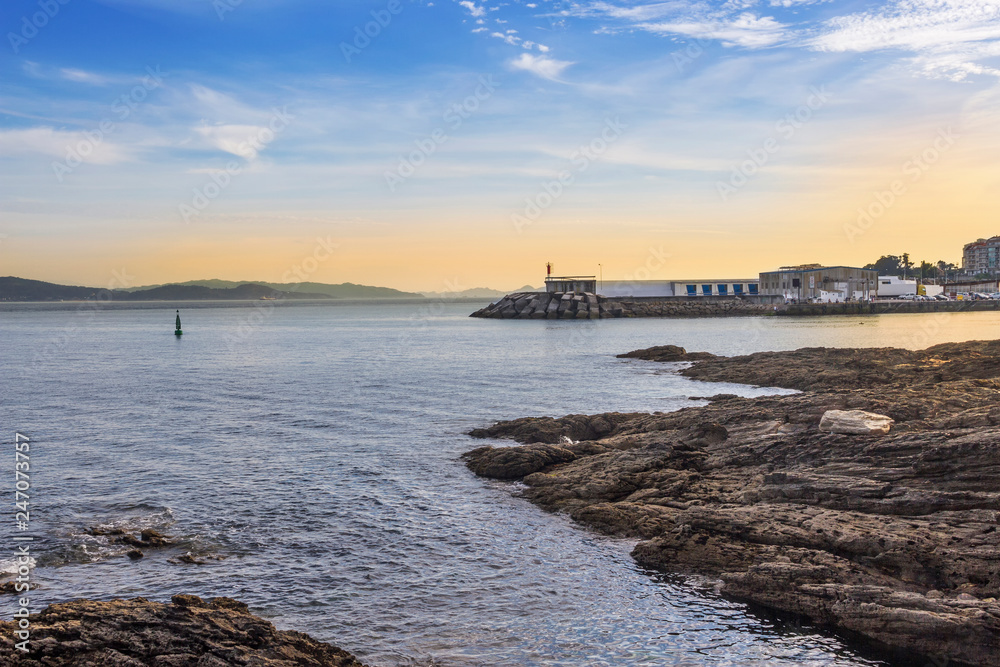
138,632
855,422
515,462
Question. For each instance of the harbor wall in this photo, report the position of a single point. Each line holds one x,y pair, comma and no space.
886,307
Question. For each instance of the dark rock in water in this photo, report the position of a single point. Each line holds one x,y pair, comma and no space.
892,534
137,632
190,559
666,353
135,554
148,538
515,462
154,538
553,431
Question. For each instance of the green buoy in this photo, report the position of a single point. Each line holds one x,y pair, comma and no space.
177,328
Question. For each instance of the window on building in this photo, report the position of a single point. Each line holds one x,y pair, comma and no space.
706,290
753,288
737,288
692,290
723,289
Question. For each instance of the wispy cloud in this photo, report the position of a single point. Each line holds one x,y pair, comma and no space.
547,68
81,76
475,10
747,30
948,38
57,144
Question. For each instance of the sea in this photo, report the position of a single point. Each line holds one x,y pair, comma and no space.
306,458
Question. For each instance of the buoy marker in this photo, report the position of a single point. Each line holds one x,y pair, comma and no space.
177,328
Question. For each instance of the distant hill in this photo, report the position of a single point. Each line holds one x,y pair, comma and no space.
479,293
199,293
22,289
341,291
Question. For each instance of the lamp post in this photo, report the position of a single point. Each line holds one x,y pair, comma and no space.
600,273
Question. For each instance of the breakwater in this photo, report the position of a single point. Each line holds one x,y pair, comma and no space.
885,307
584,305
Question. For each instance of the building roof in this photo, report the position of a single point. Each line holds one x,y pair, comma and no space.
818,268
682,280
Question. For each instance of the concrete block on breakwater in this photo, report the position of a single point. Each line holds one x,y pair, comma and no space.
584,305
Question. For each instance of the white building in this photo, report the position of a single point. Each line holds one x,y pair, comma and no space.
692,288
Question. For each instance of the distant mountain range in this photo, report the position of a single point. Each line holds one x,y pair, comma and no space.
23,289
478,293
341,291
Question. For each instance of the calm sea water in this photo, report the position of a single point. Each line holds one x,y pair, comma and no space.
316,448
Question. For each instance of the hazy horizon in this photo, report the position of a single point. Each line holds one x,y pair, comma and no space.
465,144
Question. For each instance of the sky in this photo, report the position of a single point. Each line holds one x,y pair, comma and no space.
442,145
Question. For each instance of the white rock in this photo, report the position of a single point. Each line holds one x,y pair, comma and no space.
854,422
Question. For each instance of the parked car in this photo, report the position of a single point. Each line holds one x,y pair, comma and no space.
907,297
941,297
995,295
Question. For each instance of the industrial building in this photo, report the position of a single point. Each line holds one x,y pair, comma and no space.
813,282
982,256
968,286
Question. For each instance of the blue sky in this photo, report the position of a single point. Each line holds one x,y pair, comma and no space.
370,150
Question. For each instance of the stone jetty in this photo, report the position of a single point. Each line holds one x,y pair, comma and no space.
588,306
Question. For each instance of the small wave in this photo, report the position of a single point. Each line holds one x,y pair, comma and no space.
10,565
149,529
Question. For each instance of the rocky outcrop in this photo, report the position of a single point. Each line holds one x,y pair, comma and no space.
854,422
137,632
666,353
586,306
893,534
838,369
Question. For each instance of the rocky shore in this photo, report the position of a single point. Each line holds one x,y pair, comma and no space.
586,306
137,632
869,502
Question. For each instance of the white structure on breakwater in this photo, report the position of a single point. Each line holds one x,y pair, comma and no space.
650,288
688,288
